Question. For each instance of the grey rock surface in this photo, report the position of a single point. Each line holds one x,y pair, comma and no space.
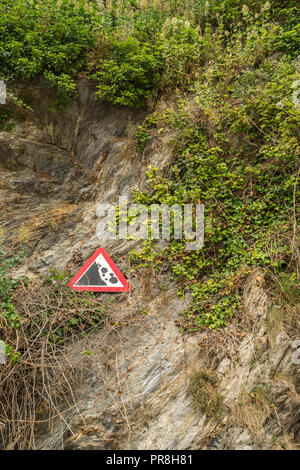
56,168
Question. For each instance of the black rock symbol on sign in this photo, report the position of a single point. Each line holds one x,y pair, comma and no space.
103,272
97,275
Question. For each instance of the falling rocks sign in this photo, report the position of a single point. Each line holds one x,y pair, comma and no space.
99,274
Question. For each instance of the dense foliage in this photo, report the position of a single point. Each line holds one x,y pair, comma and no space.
134,52
237,152
236,146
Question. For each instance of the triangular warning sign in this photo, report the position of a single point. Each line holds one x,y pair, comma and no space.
99,274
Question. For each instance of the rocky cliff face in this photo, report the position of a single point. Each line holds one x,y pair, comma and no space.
135,396
55,171
134,393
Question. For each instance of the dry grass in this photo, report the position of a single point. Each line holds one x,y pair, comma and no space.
53,218
203,388
285,442
252,410
274,322
33,388
287,402
45,219
40,391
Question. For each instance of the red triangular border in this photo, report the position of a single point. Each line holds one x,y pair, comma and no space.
112,265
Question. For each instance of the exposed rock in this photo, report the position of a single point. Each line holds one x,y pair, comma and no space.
57,168
141,400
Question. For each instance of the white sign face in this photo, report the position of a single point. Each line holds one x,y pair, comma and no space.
99,273
2,92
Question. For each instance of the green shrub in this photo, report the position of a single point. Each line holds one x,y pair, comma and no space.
49,37
203,388
130,74
151,49
237,152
